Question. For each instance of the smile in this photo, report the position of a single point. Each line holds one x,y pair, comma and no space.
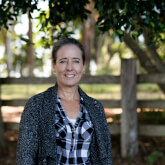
69,75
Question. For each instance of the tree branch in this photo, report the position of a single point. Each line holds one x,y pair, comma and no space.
151,50
142,56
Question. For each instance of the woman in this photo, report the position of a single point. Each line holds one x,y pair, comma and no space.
64,126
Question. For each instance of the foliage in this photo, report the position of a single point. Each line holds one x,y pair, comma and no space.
119,15
155,156
131,16
148,87
11,9
66,10
152,117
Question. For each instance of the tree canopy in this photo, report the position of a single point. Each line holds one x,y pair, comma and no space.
120,15
123,18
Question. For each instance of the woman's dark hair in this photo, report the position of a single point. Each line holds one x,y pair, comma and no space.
66,41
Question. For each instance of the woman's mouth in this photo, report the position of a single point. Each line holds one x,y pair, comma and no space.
69,75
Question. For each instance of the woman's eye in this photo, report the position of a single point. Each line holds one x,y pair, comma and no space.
76,61
62,61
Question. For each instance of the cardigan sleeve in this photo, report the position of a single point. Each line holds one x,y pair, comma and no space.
107,136
27,145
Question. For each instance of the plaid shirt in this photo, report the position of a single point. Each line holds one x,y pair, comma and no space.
73,141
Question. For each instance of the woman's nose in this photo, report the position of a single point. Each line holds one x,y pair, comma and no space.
69,66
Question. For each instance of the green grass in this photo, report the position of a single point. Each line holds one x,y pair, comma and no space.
149,91
98,91
26,91
95,88
21,91
151,117
148,87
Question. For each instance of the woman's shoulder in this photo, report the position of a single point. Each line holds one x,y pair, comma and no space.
37,100
90,100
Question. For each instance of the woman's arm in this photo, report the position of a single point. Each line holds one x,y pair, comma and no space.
27,146
107,137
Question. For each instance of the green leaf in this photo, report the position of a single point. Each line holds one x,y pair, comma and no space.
123,12
119,32
152,24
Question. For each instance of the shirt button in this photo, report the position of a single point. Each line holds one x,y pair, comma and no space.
44,160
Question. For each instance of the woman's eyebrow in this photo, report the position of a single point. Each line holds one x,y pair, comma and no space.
63,59
76,58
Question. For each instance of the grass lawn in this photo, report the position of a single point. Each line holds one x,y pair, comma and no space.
145,91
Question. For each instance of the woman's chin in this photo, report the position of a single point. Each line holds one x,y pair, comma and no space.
68,84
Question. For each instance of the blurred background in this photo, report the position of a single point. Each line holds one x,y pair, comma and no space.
112,33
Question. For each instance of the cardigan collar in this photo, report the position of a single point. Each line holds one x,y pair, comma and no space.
48,118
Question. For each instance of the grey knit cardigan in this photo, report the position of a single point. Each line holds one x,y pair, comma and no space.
37,142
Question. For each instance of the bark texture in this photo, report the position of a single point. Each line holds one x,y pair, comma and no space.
144,59
30,48
129,122
88,34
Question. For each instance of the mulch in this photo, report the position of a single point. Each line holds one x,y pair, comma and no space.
151,149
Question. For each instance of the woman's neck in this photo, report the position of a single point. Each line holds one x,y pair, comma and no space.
68,94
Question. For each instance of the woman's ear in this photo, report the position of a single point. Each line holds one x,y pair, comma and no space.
83,69
53,67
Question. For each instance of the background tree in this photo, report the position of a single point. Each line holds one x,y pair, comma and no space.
30,51
7,37
131,19
126,18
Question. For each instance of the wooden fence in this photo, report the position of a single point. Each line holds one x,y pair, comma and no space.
141,79
128,81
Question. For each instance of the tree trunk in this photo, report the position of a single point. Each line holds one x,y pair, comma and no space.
98,47
2,142
88,35
129,122
7,40
30,48
143,58
108,45
86,45
152,53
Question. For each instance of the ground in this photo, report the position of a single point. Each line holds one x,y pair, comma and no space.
147,151
151,149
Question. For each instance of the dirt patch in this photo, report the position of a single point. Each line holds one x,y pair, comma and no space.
151,149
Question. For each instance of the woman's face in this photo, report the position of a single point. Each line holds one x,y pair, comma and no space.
69,66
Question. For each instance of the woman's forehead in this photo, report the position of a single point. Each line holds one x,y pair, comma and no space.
69,46
69,51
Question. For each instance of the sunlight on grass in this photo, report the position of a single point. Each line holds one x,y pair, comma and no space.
21,91
98,91
148,87
149,91
101,88
26,91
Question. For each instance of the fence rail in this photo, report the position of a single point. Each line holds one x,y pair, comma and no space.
152,104
144,130
128,83
143,78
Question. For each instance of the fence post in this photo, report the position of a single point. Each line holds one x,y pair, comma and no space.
2,142
129,123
